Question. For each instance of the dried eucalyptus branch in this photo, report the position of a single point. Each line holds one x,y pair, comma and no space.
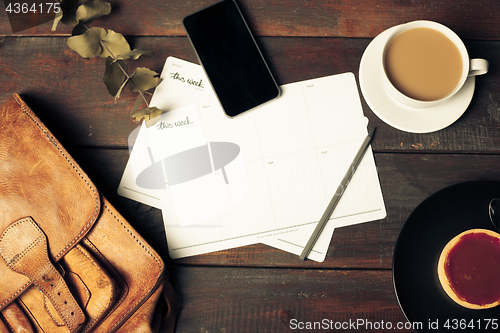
90,42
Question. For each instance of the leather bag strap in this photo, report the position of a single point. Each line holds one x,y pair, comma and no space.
23,247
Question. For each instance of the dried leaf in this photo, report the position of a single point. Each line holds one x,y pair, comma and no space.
114,78
69,8
88,45
134,54
144,79
57,19
138,103
115,44
147,114
121,89
89,11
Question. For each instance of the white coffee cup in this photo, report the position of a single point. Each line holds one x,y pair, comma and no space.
470,67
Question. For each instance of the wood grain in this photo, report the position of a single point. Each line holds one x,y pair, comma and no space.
68,94
312,18
272,300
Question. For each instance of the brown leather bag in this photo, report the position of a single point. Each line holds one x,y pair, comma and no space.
70,262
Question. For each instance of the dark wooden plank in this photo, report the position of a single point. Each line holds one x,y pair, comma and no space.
67,91
406,180
276,300
470,19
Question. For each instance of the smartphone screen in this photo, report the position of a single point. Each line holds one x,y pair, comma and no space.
230,57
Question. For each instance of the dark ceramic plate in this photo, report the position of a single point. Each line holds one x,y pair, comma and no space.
429,228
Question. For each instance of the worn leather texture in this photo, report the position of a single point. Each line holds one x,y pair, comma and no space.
69,261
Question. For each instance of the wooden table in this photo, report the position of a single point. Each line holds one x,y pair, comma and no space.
258,288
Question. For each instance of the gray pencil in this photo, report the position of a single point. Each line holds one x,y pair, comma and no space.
338,194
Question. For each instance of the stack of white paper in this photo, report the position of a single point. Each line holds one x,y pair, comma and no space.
266,175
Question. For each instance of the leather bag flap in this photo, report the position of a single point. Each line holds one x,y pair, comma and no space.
39,179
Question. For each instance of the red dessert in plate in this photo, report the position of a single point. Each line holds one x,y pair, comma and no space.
469,269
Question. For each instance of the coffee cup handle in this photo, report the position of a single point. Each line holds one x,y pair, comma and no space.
478,67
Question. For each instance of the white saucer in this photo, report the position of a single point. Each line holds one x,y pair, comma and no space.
401,116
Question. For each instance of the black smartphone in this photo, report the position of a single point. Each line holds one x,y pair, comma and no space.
230,57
